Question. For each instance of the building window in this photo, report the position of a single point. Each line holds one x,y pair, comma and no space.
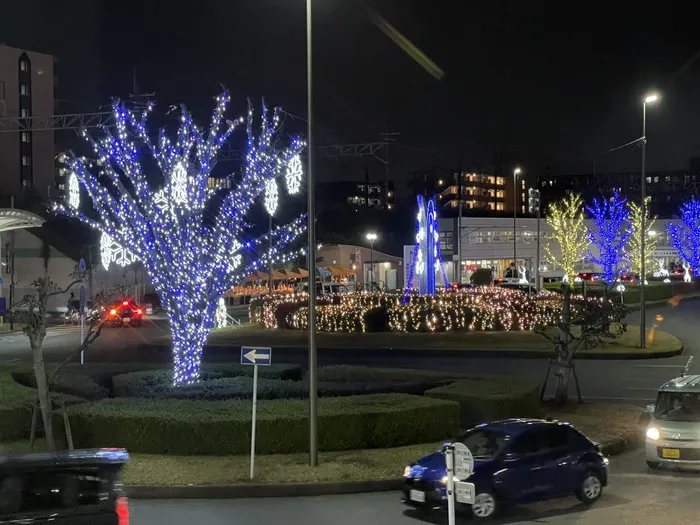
24,89
649,179
522,196
25,137
523,185
656,179
26,160
499,206
522,209
23,65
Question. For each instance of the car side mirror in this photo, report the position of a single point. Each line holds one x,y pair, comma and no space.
651,409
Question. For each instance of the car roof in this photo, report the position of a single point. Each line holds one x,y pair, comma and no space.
689,383
517,426
66,458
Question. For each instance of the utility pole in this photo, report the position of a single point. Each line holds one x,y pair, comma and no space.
458,279
12,271
534,206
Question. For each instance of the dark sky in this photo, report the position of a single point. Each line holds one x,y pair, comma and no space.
532,83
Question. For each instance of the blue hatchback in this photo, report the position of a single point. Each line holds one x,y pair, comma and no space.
517,461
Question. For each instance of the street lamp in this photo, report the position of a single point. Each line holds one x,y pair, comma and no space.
371,237
516,172
649,99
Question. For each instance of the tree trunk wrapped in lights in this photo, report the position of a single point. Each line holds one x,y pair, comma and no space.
192,239
685,237
634,247
569,232
610,234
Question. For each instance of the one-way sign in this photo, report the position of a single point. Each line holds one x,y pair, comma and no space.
252,355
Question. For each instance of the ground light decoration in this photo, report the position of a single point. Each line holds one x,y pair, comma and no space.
194,241
426,262
685,237
610,233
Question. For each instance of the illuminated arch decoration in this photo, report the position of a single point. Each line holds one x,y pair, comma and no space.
426,262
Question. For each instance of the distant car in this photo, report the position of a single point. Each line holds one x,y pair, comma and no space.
123,313
521,287
588,276
673,432
515,461
64,488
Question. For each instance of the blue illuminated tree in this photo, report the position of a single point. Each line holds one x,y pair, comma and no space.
610,234
154,198
685,237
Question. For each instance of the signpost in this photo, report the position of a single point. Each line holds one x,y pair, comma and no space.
460,465
82,322
252,355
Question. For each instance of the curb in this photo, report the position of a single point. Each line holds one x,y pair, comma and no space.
260,490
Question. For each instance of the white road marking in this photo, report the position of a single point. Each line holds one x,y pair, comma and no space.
659,366
11,360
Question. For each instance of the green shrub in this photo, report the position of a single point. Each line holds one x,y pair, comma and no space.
483,399
481,277
16,403
366,374
71,381
223,427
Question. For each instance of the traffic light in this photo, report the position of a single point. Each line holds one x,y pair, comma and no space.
533,201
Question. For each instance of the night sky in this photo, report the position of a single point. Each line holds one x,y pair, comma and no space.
533,83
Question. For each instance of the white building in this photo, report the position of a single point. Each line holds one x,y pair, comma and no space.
488,243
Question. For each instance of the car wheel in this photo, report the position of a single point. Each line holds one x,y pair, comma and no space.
590,489
484,506
653,465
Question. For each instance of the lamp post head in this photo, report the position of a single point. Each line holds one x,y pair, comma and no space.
516,171
371,236
651,98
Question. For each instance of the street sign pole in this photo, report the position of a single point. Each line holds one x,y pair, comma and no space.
255,356
450,460
252,432
81,271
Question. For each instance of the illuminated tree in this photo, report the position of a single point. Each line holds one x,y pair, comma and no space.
568,232
685,237
634,247
193,240
610,234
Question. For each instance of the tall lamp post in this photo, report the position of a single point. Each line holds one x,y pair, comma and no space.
311,230
371,237
516,172
649,99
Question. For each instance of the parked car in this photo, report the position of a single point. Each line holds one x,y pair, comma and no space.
123,313
64,488
674,429
515,461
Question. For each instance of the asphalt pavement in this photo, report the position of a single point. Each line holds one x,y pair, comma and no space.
621,381
634,496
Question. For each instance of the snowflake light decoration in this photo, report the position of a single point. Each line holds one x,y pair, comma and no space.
294,174
178,182
271,196
106,250
113,252
73,191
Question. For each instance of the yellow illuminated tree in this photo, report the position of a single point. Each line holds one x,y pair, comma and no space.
635,243
568,233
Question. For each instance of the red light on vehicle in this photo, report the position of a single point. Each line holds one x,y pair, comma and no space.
126,303
121,507
113,311
138,310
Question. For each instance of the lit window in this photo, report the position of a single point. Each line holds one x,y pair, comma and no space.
389,206
648,179
26,160
389,194
24,89
522,196
523,185
500,181
24,113
492,180
23,65
522,209
499,206
492,206
656,179
25,137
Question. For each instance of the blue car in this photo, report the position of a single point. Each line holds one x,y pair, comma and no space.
515,461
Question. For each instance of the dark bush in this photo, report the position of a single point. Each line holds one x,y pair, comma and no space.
223,427
16,403
481,277
67,381
377,319
483,399
366,374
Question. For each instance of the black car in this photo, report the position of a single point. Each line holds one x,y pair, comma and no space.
77,487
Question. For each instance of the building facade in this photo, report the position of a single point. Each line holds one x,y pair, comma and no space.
488,243
26,91
370,265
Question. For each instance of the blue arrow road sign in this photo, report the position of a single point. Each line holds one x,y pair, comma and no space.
252,355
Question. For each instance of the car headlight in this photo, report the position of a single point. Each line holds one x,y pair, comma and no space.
444,480
407,471
653,433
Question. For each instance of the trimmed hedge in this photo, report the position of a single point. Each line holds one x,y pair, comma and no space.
16,403
223,427
490,398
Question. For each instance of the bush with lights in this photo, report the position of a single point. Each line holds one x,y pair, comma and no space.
193,240
480,309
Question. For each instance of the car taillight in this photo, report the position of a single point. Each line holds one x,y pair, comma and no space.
121,507
113,311
138,310
126,303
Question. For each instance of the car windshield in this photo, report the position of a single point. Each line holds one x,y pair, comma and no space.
484,443
675,406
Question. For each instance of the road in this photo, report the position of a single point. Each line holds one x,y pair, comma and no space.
634,497
621,381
